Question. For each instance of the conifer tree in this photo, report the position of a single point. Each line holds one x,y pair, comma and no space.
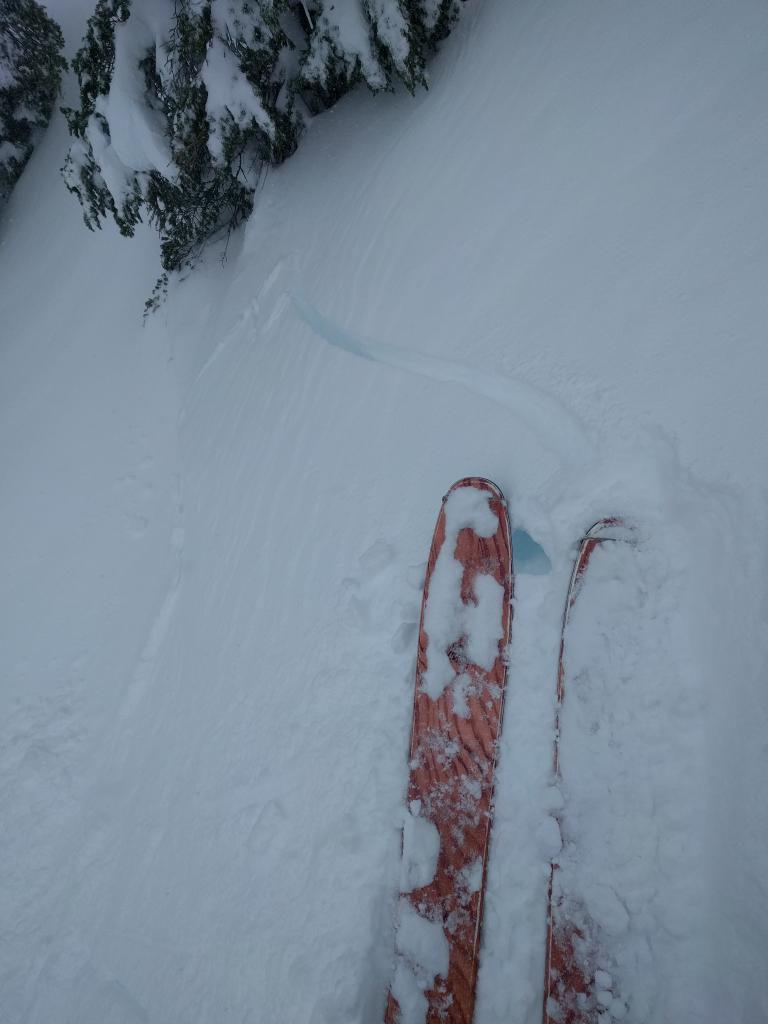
184,103
30,75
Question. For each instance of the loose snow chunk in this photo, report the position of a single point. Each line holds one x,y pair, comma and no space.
472,787
469,506
462,687
423,954
409,995
423,944
472,875
483,622
548,838
442,618
446,617
603,980
606,909
421,848
553,1009
553,799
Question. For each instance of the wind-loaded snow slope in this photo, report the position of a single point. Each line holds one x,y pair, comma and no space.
549,269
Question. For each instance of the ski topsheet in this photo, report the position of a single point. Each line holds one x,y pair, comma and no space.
457,713
569,978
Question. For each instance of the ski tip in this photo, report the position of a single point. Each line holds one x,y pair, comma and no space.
613,528
480,483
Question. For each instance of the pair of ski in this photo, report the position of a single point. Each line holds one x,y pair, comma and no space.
464,637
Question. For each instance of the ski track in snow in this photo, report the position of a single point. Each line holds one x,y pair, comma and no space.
144,675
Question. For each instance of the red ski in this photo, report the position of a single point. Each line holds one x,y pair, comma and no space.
569,965
457,712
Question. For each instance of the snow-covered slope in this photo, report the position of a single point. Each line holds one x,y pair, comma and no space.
548,269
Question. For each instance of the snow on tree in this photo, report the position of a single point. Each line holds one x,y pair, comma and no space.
184,103
30,75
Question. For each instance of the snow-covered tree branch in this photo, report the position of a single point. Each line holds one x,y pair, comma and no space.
183,103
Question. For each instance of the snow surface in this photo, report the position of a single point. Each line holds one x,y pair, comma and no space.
549,269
